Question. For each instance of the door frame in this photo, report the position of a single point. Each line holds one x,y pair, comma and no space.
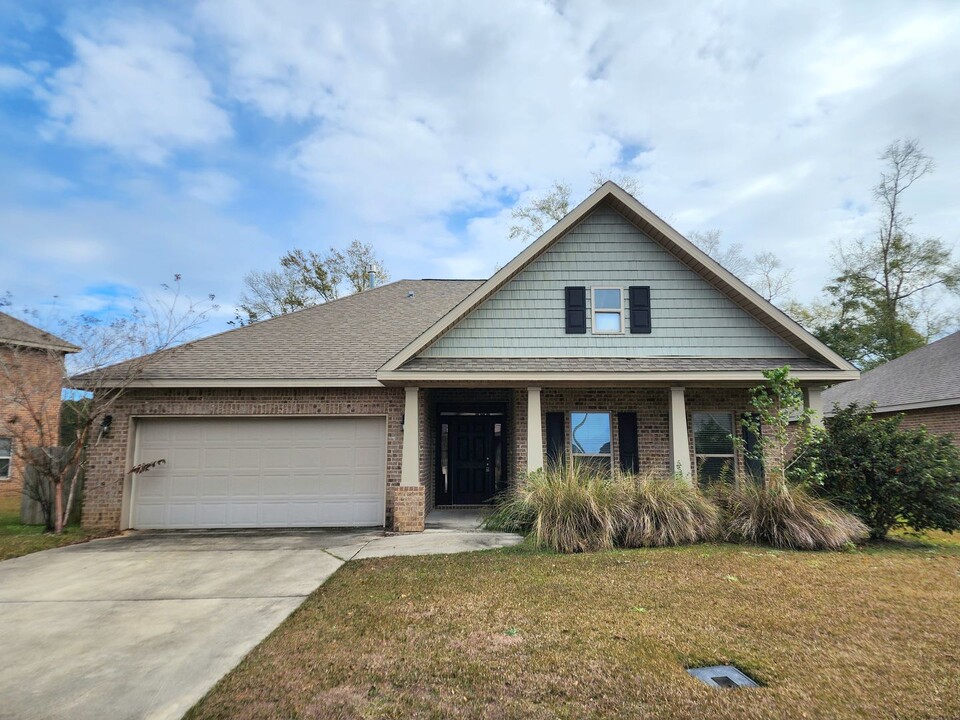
466,408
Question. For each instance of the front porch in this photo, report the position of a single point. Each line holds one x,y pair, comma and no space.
464,446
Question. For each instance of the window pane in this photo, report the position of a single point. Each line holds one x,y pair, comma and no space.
4,467
607,322
6,444
591,433
711,470
712,433
607,299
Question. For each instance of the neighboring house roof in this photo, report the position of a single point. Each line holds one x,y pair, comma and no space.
17,332
928,377
657,229
341,343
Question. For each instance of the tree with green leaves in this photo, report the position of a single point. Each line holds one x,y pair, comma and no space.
305,278
887,475
886,298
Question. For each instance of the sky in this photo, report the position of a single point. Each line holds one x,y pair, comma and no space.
143,139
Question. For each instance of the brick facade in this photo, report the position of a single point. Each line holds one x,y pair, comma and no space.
406,507
108,459
938,420
31,381
409,508
652,406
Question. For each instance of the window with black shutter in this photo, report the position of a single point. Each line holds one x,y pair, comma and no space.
627,441
555,439
576,299
640,309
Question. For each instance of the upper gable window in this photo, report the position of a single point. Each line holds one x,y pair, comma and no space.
607,310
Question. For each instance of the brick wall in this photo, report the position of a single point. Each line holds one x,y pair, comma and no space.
939,421
30,386
652,406
108,459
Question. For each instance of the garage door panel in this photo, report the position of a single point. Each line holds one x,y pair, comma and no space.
260,472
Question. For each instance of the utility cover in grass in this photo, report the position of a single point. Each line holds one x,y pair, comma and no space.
722,676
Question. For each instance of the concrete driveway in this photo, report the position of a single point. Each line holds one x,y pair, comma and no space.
142,626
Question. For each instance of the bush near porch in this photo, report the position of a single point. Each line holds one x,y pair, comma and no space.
572,508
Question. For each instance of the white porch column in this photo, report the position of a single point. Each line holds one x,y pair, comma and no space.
534,430
410,466
679,438
813,399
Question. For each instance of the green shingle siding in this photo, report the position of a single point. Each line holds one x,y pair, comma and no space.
690,317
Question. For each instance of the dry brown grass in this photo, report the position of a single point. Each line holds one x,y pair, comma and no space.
523,634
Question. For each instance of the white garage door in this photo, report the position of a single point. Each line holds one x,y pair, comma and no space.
259,472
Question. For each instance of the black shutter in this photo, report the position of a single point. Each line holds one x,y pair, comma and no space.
640,309
627,435
555,438
576,298
751,462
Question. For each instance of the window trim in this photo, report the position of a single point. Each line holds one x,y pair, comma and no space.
9,458
575,455
732,456
594,310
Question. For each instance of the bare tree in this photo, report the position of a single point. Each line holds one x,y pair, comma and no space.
305,278
764,272
113,355
532,219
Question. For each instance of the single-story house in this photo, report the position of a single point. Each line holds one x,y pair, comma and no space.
31,381
924,385
611,339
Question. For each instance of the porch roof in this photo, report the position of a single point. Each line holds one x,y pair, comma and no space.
608,370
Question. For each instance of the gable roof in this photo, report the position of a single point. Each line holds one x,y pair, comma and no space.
17,332
927,377
339,343
658,230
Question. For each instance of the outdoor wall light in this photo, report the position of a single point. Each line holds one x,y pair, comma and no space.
105,425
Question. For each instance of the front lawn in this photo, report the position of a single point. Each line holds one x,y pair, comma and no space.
17,539
519,633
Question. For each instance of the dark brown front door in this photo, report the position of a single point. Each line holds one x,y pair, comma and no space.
472,471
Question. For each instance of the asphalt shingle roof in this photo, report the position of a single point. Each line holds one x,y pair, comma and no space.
17,332
928,375
349,338
608,364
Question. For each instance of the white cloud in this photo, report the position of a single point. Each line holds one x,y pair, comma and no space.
135,89
428,109
12,78
210,186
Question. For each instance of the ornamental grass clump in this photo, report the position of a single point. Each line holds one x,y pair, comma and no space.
575,508
787,517
665,511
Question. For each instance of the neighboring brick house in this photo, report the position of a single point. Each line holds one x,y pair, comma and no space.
31,380
611,339
923,385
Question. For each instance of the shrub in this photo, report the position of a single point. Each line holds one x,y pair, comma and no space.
885,474
574,509
665,511
787,517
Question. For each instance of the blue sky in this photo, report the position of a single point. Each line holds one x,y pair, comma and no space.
139,140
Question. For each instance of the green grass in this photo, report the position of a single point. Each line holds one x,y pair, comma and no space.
523,633
17,539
